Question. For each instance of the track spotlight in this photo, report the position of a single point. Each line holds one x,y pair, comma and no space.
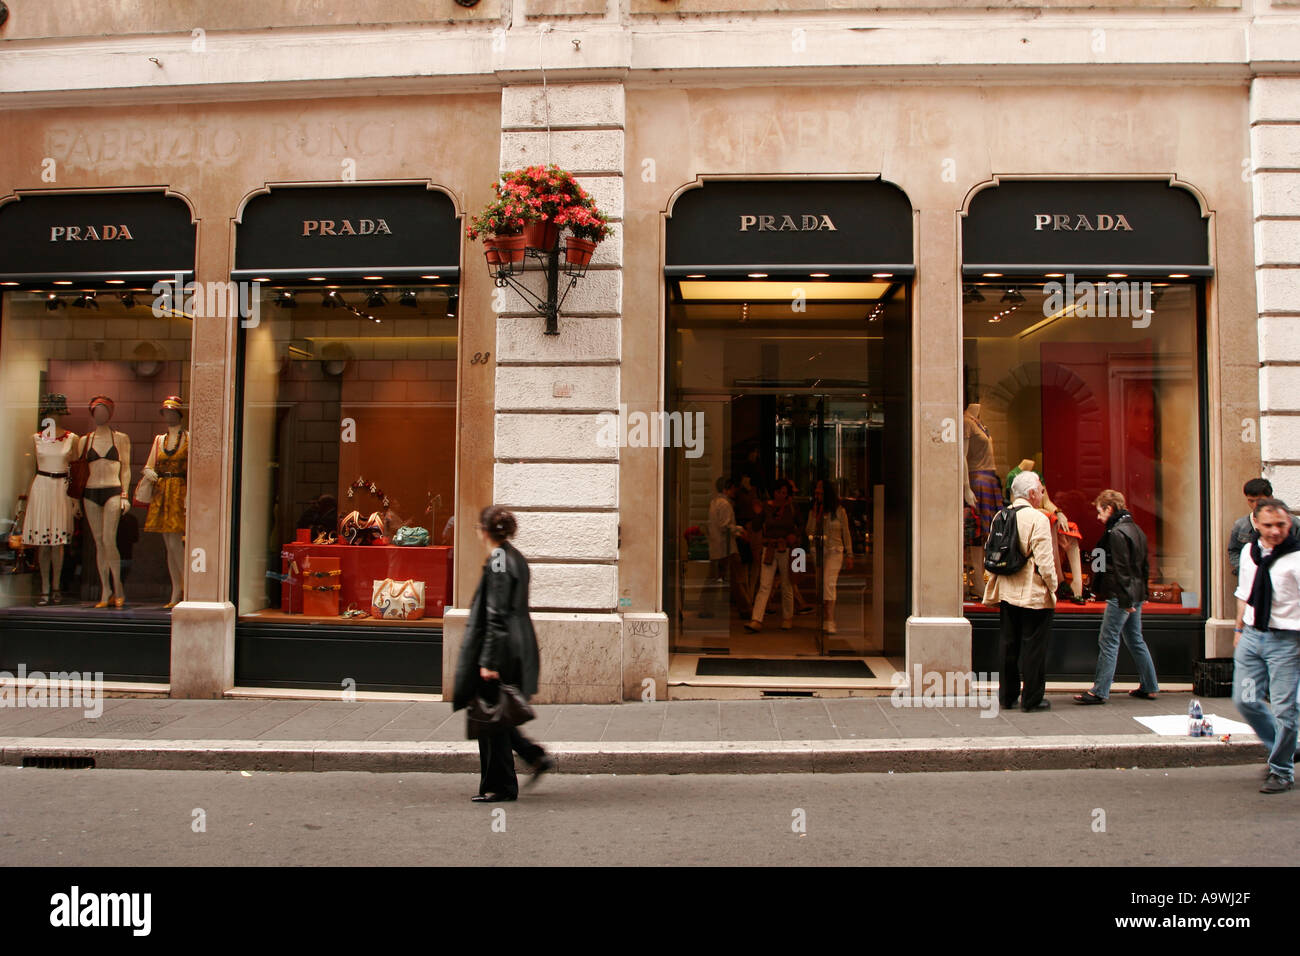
375,299
1013,297
409,299
53,302
332,300
453,305
128,300
86,301
285,299
971,295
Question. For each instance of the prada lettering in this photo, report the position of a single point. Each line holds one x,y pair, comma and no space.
345,227
808,222
1080,222
91,233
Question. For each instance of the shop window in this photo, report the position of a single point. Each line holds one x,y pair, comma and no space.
101,376
1094,383
347,465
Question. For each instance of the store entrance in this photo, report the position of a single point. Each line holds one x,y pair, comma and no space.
786,537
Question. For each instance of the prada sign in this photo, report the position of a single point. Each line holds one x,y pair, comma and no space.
348,231
140,234
797,223
1029,224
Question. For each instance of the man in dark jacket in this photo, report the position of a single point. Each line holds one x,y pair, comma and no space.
500,647
1243,532
1123,583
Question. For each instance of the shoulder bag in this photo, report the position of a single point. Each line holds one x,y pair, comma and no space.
144,490
79,471
510,710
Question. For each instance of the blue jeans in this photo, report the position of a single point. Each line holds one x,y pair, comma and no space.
1117,623
1267,664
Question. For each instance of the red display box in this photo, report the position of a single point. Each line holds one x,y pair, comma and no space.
362,566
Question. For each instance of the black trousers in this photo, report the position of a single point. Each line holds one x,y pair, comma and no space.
495,758
1025,635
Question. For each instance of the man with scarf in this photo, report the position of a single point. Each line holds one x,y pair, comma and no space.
1267,640
1122,583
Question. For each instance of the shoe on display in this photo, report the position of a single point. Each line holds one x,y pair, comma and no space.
831,628
43,600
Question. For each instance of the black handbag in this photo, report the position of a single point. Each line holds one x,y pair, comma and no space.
510,710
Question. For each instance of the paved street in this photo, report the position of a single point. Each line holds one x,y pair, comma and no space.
1188,817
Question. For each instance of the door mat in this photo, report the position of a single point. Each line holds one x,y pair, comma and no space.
751,667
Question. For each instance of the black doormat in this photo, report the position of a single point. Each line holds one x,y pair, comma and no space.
750,667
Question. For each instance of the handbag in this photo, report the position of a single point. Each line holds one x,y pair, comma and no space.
397,600
144,489
79,472
511,709
411,537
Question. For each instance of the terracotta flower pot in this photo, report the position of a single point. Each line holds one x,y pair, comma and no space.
491,250
511,248
542,234
578,252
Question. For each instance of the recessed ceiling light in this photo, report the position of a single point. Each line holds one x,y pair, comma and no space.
316,278
8,283
1178,275
372,278
262,279
758,275
993,275
430,277
114,281
882,275
819,275
63,282
1055,275
1116,275
696,275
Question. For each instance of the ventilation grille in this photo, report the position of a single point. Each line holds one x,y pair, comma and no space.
60,763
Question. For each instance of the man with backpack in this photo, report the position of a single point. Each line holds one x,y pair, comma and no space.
1020,566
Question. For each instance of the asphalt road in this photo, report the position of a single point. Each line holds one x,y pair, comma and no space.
1185,817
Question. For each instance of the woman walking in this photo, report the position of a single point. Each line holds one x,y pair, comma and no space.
828,526
500,648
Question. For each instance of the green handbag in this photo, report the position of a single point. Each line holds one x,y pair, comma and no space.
411,537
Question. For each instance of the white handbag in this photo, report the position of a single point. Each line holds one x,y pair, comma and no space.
397,600
144,488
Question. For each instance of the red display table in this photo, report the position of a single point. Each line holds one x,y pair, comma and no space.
362,566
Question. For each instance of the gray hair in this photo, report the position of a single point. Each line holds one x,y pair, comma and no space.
1023,483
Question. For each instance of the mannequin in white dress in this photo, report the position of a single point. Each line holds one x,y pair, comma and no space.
50,516
105,501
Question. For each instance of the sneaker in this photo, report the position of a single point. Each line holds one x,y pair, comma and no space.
1275,784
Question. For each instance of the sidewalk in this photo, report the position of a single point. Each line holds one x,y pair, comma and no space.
741,736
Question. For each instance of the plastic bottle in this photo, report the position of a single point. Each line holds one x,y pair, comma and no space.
1194,718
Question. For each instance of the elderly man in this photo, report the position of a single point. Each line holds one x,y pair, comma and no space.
1026,599
1267,640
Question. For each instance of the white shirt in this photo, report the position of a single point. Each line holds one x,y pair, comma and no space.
722,528
1285,611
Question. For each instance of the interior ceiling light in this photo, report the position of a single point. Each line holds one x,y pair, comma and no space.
372,278
285,299
332,300
758,275
1013,297
409,299
453,305
128,300
53,302
971,294
993,275
86,301
1178,275
780,290
375,299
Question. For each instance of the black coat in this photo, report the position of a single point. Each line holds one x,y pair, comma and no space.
499,633
1127,568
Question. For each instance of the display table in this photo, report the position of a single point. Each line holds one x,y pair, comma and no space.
362,566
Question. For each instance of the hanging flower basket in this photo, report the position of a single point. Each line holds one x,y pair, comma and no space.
542,235
578,252
511,248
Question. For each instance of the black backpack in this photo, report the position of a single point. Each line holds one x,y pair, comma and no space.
1002,554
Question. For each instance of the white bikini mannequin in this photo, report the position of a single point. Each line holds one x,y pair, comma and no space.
105,498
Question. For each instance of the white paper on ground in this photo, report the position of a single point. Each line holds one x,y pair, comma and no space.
1175,725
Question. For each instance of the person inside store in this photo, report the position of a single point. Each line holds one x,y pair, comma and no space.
50,516
751,474
321,516
1122,584
1026,601
724,554
108,453
500,648
166,467
780,533
828,529
1243,529
1266,638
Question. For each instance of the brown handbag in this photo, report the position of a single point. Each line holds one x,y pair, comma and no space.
79,472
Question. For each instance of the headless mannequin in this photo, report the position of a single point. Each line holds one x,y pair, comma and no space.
974,553
103,518
173,541
49,557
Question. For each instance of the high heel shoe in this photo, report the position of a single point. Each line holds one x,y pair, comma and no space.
103,602
119,602
43,600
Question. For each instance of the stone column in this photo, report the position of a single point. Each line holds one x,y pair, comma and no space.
1275,168
549,468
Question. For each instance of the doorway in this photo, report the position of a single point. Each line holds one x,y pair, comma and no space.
815,396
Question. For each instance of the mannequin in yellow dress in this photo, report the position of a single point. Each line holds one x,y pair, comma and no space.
167,468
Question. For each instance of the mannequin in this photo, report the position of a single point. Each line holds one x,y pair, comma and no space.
50,512
983,490
105,501
1068,537
166,466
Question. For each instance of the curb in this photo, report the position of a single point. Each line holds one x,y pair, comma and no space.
916,755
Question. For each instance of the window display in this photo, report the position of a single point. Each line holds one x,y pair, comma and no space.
348,445
84,375
1090,395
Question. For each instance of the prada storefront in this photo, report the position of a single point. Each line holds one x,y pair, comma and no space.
346,436
94,402
787,359
1084,357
